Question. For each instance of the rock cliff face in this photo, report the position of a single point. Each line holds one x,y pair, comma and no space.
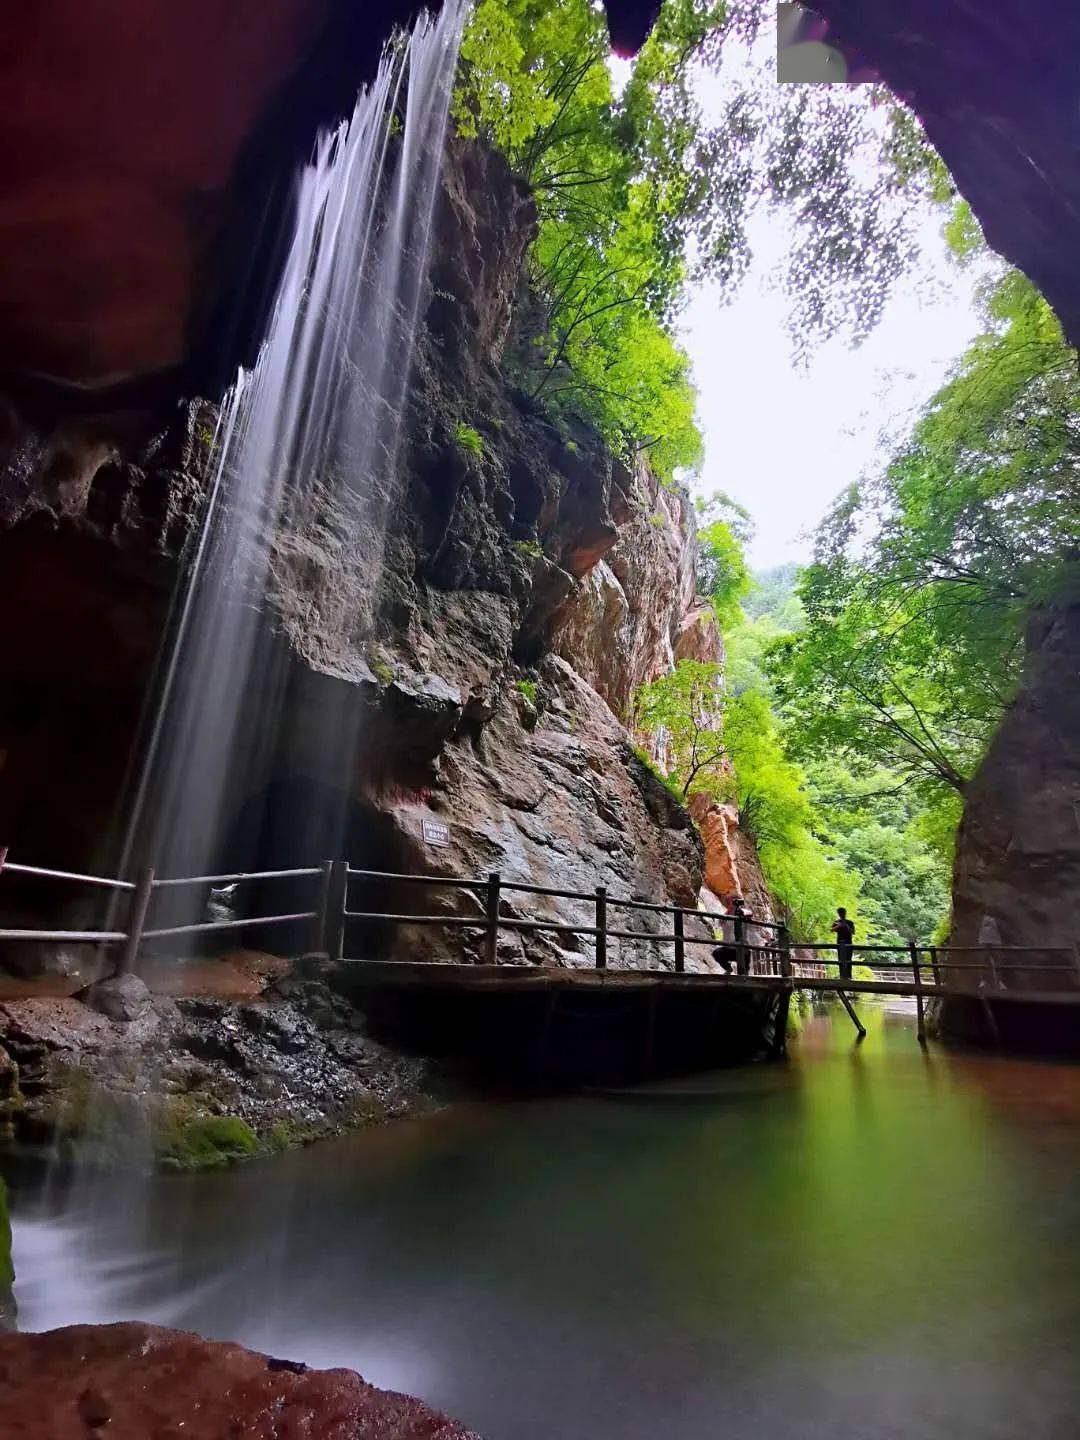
476,677
732,866
1017,874
636,611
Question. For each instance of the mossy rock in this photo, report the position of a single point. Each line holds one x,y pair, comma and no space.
204,1142
11,1096
7,1269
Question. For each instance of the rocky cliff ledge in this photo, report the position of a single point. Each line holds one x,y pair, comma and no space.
141,1382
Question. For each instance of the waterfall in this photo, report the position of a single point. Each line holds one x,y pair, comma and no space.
311,431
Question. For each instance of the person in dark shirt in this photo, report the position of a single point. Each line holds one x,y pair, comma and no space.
740,912
844,930
726,954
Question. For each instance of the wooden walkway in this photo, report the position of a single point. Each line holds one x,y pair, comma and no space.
402,973
1013,975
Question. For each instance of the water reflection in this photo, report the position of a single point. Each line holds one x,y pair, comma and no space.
869,1241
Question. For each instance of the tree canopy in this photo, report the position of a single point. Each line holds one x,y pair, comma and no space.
683,710
914,636
622,186
827,834
644,190
722,574
776,810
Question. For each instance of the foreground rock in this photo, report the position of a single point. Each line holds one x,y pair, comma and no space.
140,1382
121,1075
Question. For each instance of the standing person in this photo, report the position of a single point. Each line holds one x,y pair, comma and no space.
844,930
739,913
724,954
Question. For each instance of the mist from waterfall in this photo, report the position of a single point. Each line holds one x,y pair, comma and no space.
314,429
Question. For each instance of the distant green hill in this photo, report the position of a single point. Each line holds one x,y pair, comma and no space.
774,595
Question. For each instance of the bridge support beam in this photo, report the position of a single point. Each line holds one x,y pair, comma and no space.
851,1011
916,973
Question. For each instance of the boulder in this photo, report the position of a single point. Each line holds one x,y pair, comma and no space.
142,1382
122,997
732,866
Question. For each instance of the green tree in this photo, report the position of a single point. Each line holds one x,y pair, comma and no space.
866,681
877,825
683,711
826,832
774,595
640,193
776,810
770,610
622,187
913,642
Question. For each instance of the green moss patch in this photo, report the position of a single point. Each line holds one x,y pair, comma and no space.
204,1142
7,1270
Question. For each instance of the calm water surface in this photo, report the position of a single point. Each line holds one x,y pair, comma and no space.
865,1242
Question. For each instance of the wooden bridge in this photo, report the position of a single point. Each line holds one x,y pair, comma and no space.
768,968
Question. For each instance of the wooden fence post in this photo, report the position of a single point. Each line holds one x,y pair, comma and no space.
491,911
601,927
916,971
934,967
680,947
783,942
140,904
337,902
323,916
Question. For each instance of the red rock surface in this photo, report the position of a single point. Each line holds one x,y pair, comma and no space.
732,866
122,127
140,1382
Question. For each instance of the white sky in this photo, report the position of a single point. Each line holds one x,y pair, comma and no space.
784,440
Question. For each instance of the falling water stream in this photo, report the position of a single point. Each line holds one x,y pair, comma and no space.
865,1243
305,461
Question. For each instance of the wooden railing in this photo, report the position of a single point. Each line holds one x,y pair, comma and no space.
140,893
330,915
